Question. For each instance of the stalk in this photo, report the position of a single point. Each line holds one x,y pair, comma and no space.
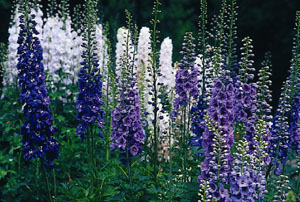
46,180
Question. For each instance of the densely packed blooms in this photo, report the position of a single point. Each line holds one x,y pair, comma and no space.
127,134
37,131
187,76
218,140
204,117
90,84
11,71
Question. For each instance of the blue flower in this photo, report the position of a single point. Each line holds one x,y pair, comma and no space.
37,130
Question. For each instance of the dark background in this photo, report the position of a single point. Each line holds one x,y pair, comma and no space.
270,23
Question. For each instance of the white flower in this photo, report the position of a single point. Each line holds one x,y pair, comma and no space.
123,42
165,62
62,50
144,50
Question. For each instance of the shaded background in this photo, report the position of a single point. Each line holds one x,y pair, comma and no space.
269,23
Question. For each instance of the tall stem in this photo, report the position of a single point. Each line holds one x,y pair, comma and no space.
129,174
46,180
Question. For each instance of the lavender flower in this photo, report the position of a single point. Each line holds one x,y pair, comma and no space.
187,76
127,131
218,140
37,131
127,134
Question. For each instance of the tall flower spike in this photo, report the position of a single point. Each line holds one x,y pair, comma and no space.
246,70
127,134
37,131
123,37
187,76
90,85
142,65
264,93
152,84
231,35
11,70
166,79
167,72
281,139
218,140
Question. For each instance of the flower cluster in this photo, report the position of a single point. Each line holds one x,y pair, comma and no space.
247,180
3,59
218,140
198,125
264,94
90,84
127,134
187,76
279,147
11,71
167,74
61,50
166,81
294,126
245,109
124,40
37,131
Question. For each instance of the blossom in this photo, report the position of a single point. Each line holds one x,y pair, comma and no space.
123,40
90,84
127,131
37,130
187,76
167,72
11,71
218,140
62,51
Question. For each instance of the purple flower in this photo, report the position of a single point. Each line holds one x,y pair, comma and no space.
127,132
216,166
186,77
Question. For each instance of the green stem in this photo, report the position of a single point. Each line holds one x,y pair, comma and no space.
19,162
184,143
54,182
46,180
129,174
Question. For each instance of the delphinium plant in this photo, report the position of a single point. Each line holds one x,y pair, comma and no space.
285,124
89,100
186,93
166,78
143,63
127,134
153,93
218,140
37,130
264,96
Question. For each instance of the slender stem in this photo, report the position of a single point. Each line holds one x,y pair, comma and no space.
19,162
129,174
46,180
54,182
184,143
